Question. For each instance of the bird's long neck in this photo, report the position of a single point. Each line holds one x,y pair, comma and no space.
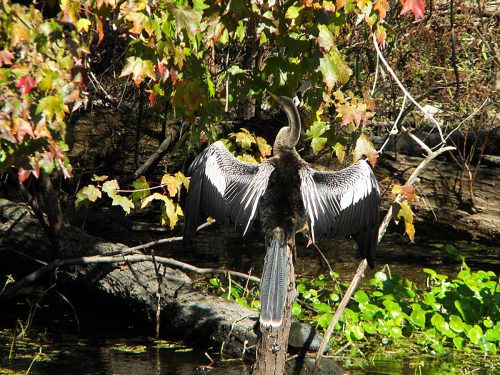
288,137
293,122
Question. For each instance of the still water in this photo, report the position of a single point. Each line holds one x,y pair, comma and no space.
101,347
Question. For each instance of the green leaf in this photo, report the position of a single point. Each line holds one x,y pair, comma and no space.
442,325
142,185
358,332
293,12
234,70
325,38
417,315
322,307
475,334
296,309
395,332
125,203
334,69
456,323
458,342
187,18
88,193
361,297
110,188
52,106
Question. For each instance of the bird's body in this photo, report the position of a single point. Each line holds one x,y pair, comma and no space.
286,193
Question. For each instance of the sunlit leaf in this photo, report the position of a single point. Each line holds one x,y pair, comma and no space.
381,6
172,183
83,24
365,147
264,148
406,213
125,203
52,106
334,69
407,191
110,188
417,7
325,38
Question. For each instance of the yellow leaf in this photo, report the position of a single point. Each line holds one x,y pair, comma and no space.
365,147
406,213
339,149
173,184
407,191
183,179
83,24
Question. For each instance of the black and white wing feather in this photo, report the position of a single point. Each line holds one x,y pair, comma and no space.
343,203
224,188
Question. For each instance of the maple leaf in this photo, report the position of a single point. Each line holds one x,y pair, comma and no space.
325,38
6,57
23,174
417,7
264,148
406,213
21,128
334,69
407,191
365,147
349,114
173,184
381,6
26,84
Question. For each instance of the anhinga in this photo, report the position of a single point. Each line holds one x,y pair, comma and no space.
285,192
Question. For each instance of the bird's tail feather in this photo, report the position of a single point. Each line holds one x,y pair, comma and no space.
273,281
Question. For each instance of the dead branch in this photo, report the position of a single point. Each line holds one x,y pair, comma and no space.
382,229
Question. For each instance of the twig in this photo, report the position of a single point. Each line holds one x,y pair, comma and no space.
102,259
467,118
394,129
362,266
164,240
454,52
405,91
323,256
345,300
376,78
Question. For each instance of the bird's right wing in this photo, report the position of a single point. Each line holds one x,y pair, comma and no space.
343,203
224,188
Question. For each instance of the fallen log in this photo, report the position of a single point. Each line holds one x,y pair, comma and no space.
145,286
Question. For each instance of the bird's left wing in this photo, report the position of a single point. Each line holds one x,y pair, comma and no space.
343,203
224,188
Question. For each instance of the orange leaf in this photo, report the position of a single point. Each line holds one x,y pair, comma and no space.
100,30
381,6
21,128
407,191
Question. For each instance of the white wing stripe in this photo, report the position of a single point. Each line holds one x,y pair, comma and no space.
215,174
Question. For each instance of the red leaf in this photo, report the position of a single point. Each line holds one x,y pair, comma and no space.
25,83
23,174
417,7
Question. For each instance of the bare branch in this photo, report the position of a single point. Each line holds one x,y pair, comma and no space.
405,91
362,266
